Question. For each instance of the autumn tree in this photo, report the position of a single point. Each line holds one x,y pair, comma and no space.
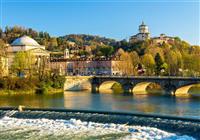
191,65
3,58
125,64
149,63
30,63
119,52
19,64
43,68
175,62
53,44
24,63
135,60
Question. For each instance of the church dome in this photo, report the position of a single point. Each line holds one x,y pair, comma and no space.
25,41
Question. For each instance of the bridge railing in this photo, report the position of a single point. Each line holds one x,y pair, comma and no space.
146,77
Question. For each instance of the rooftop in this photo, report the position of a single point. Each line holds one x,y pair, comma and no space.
24,41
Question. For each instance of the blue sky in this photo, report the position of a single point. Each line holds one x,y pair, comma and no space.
118,19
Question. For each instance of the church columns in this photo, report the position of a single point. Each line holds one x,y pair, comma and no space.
38,61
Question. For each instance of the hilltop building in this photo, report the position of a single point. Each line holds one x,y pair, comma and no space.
163,39
143,34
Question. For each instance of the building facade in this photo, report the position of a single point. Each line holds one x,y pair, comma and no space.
163,39
86,66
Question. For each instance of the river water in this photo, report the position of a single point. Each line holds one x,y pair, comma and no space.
12,127
109,101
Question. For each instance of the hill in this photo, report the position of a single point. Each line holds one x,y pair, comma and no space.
88,40
176,57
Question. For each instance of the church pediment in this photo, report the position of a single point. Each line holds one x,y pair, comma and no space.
39,51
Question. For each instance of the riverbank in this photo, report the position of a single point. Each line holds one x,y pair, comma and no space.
31,85
30,91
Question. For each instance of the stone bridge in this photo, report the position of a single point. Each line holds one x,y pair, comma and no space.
168,84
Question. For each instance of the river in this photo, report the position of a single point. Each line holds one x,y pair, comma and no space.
108,101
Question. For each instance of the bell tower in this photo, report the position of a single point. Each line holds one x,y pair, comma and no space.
143,29
66,54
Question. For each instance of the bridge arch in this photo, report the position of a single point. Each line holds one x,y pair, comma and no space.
188,90
109,85
103,84
77,83
142,88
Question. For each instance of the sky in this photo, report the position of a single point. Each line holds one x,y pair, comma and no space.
117,19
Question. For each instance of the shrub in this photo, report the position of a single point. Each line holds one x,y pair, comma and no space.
58,81
10,83
41,88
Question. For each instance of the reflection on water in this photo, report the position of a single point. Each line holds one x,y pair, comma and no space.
32,100
108,101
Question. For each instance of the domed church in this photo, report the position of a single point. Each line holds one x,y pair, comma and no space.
26,43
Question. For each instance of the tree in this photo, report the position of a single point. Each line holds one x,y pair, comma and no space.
191,65
24,63
125,64
43,68
53,44
159,63
3,59
19,63
175,62
1,33
119,52
83,53
149,63
30,63
106,50
135,60
153,50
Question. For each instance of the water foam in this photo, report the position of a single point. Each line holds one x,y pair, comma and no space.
13,128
